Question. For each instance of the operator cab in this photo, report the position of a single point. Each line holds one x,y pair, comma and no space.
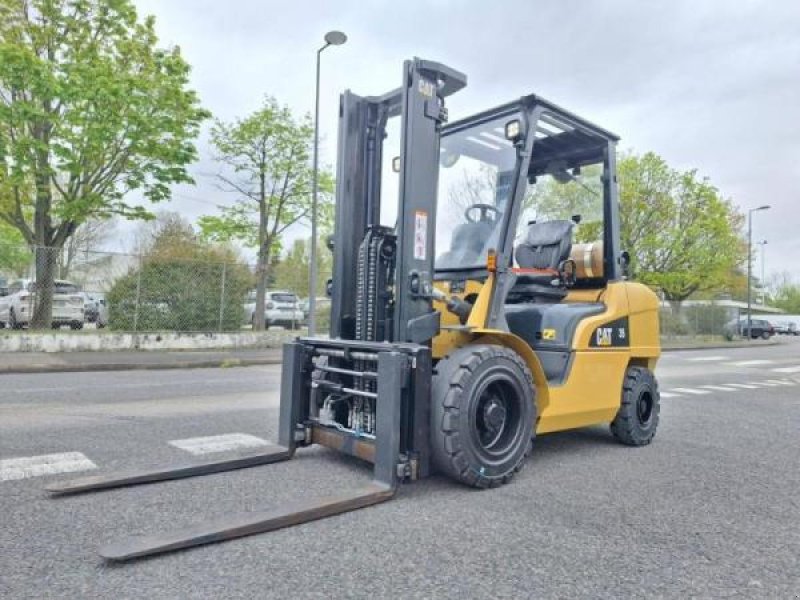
528,182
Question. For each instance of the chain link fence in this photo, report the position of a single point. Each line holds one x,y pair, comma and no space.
142,293
715,320
171,292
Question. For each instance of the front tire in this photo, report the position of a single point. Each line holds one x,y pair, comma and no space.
765,335
637,419
483,412
12,320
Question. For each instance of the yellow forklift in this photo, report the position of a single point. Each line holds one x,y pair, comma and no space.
493,308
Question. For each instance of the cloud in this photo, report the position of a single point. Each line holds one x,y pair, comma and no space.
712,85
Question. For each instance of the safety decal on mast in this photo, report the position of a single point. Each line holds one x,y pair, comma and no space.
420,234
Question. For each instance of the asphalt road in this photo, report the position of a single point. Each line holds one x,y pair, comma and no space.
710,509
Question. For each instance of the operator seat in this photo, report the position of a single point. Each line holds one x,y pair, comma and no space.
466,245
541,257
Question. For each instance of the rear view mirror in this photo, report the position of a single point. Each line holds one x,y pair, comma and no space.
625,262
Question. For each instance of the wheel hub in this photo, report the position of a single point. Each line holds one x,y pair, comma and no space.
494,414
644,408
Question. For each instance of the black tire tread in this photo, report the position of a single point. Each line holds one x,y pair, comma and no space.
623,426
456,368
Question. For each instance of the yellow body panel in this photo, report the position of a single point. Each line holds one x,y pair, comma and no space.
592,390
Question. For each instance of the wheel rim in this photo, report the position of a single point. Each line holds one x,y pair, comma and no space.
496,418
644,408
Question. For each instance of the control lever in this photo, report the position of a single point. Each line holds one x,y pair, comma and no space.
457,306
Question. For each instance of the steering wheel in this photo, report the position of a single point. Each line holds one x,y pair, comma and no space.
484,209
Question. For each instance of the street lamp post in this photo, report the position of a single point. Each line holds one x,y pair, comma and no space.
332,38
763,252
750,268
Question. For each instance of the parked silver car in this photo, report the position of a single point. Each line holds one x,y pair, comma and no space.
280,308
17,304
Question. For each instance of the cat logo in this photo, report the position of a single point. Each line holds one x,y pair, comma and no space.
611,335
604,336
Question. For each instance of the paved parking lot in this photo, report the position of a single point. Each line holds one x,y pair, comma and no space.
710,509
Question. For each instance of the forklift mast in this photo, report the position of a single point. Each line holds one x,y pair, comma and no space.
382,277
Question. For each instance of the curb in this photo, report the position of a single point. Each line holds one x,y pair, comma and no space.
249,362
83,368
720,346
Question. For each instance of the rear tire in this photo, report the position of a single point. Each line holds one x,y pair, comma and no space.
483,412
637,419
12,320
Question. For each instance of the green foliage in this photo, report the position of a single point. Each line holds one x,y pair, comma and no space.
90,110
267,156
267,159
292,271
786,295
179,285
550,199
14,255
683,237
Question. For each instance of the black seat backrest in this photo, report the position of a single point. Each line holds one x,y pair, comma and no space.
546,245
466,245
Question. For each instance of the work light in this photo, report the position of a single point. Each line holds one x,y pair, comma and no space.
513,130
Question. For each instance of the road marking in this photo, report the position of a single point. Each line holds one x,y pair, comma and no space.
786,370
719,388
219,443
691,391
668,395
744,386
766,383
751,363
782,381
707,358
46,464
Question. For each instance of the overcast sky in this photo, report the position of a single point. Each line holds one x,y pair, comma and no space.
707,85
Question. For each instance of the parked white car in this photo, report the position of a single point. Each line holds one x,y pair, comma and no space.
280,308
16,306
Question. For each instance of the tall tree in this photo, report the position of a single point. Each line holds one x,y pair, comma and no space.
683,236
90,110
265,157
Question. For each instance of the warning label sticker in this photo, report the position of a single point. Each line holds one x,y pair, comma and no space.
420,234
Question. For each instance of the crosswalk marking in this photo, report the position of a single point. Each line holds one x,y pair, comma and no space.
46,464
218,443
766,383
751,363
782,381
691,391
668,395
720,388
707,358
795,369
744,386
